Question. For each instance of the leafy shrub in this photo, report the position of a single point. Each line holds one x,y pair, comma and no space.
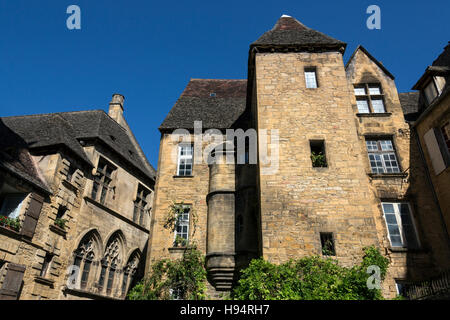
311,278
174,279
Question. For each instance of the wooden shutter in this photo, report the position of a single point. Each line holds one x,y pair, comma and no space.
442,146
32,215
12,282
434,151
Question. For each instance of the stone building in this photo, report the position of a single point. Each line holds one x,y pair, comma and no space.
432,127
75,198
342,170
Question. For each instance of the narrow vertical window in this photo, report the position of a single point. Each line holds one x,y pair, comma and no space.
182,227
185,155
101,281
310,78
109,285
140,204
46,264
400,225
85,273
102,180
124,283
318,157
327,241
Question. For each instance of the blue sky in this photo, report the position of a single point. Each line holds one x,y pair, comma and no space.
148,50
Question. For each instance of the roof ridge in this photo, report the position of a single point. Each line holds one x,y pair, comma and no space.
52,113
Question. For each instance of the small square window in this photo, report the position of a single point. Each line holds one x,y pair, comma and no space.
327,241
310,78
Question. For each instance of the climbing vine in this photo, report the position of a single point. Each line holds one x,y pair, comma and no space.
172,218
174,279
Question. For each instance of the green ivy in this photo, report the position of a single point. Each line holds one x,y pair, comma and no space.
187,276
310,278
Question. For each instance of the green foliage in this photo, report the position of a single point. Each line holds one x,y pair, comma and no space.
61,223
173,214
180,242
186,277
12,223
311,278
318,159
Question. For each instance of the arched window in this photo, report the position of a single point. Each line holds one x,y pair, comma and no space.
85,255
129,271
111,263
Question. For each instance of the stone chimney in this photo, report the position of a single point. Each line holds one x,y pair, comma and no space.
116,109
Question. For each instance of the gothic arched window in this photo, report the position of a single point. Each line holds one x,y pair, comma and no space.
129,271
84,256
111,262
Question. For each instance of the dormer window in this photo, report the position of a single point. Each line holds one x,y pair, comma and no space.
434,88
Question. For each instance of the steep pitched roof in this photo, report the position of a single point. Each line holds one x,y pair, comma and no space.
378,63
444,58
68,128
217,103
440,66
15,158
410,105
289,31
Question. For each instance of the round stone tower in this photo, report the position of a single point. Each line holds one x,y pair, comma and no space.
220,243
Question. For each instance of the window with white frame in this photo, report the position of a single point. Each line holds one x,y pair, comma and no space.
400,224
182,227
310,78
185,156
382,156
369,98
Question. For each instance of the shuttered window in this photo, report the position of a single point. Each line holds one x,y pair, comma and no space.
12,283
437,148
32,215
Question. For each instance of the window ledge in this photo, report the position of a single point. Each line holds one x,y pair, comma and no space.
387,175
176,249
88,294
176,177
374,114
58,230
68,184
406,250
43,280
10,232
